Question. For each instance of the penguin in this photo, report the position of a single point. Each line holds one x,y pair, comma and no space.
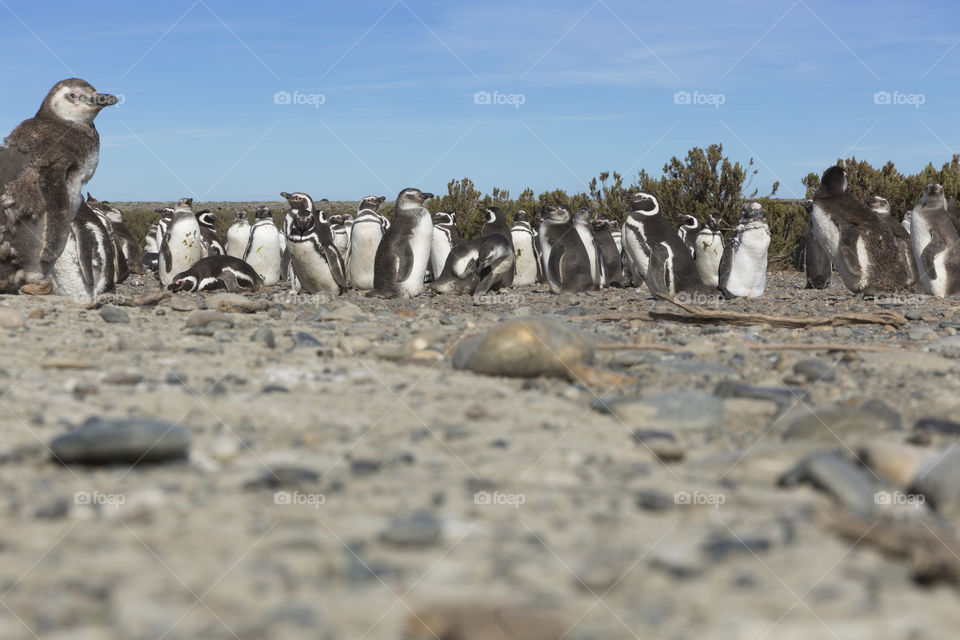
526,253
936,243
238,235
264,252
86,269
341,226
609,254
150,241
907,218
881,207
617,235
166,215
125,239
217,272
581,222
314,257
708,250
814,260
689,227
208,231
743,267
566,259
402,256
860,245
121,269
368,229
445,236
497,263
44,164
636,251
298,201
460,272
182,244
669,265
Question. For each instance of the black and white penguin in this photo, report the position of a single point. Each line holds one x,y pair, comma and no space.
44,164
881,207
150,240
264,250
446,235
689,228
166,215
121,269
460,273
238,235
86,269
581,222
936,242
609,253
670,268
566,260
526,252
314,257
182,245
907,219
340,227
743,268
217,272
497,263
860,245
403,254
814,260
208,231
708,250
125,239
368,229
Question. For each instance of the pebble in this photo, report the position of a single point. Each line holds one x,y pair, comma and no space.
264,335
476,621
815,371
122,377
303,340
114,315
831,473
835,424
419,529
783,396
912,314
662,444
203,318
343,312
182,303
280,477
236,303
936,425
100,441
893,462
669,411
719,548
567,299
525,348
919,334
938,479
10,319
653,500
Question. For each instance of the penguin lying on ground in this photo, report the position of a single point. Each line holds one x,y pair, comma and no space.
217,272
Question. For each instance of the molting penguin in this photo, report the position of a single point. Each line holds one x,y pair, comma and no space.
44,164
581,222
446,235
403,254
264,247
316,261
907,218
564,256
860,245
217,272
881,207
459,274
86,269
238,235
814,260
368,229
127,242
609,253
527,255
708,250
208,231
689,227
497,264
743,268
936,243
182,244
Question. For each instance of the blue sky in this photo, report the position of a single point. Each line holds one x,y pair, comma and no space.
386,90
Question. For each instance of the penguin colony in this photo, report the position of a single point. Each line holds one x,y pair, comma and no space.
52,240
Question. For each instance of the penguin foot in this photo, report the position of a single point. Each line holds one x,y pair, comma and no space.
42,288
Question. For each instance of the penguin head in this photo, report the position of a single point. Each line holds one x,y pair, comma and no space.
713,221
443,218
207,218
600,223
521,216
583,215
808,205
411,199
878,205
834,181
493,215
298,200
689,222
113,214
933,196
183,282
614,226
184,204
556,215
74,100
303,221
751,211
371,203
644,203
165,211
241,216
263,213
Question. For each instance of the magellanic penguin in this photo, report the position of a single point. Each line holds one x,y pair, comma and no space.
404,251
581,222
936,243
166,215
264,247
298,201
217,272
86,269
182,244
907,218
121,269
689,228
446,235
497,263
341,226
527,255
881,207
238,235
124,237
44,164
566,260
459,274
814,259
609,253
708,250
860,245
670,269
743,268
368,229
208,231
150,241
316,261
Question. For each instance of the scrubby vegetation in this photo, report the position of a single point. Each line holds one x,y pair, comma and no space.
700,183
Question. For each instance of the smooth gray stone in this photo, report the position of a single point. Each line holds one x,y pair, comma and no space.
121,441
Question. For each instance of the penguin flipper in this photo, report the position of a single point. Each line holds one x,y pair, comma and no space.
848,249
553,268
404,261
930,252
335,260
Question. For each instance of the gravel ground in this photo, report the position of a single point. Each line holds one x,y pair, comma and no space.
343,480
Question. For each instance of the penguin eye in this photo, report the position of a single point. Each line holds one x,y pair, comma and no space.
73,96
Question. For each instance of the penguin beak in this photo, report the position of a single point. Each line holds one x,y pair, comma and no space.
284,194
103,100
426,196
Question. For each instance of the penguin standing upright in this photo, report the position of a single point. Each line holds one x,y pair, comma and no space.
340,227
581,222
815,261
314,257
182,244
264,249
609,253
208,231
368,229
743,268
527,258
881,207
403,253
44,164
238,235
86,269
566,260
298,201
121,269
446,235
936,242
127,242
708,250
166,215
860,245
